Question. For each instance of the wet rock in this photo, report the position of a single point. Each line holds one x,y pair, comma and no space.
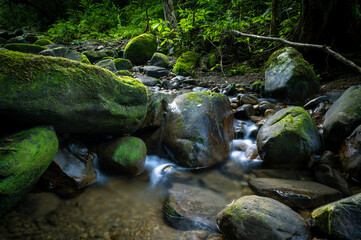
247,99
186,63
315,102
159,60
124,155
167,85
350,154
24,158
157,107
294,193
140,49
71,96
341,219
284,174
264,106
107,64
71,170
193,207
122,64
154,71
24,47
288,139
343,117
289,76
331,177
254,217
245,112
328,158
199,129
269,112
148,81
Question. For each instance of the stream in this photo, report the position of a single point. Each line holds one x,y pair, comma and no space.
131,208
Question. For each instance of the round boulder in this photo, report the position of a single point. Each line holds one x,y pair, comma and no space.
288,139
141,48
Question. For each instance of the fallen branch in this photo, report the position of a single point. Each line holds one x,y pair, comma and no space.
324,48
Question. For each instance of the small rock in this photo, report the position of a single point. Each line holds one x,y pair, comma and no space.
148,81
244,112
154,71
248,99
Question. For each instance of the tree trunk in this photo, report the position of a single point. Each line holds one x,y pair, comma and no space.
169,14
276,15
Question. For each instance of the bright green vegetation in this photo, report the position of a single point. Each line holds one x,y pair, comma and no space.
130,151
122,64
43,42
186,63
124,73
141,48
34,150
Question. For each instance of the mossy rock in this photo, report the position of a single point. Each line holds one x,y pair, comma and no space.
25,47
94,56
124,155
124,73
340,218
122,64
141,48
159,60
186,63
289,77
69,95
199,128
43,42
20,168
288,139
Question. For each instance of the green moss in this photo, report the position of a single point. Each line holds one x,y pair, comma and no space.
25,47
323,218
20,169
43,42
84,59
124,73
48,80
141,48
122,64
129,151
160,59
186,63
194,96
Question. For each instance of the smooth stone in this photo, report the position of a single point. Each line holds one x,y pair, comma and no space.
245,112
148,81
294,193
156,72
248,99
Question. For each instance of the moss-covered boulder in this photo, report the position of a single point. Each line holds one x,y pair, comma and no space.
261,218
342,117
199,128
141,48
94,56
159,60
69,95
124,73
122,64
289,76
288,139
24,157
186,63
107,64
341,219
43,42
25,47
124,155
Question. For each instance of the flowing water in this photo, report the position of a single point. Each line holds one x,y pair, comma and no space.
131,208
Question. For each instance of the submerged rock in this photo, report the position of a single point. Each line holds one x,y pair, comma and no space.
294,193
29,154
254,217
141,48
289,76
124,155
288,139
341,219
343,117
199,129
186,63
350,154
190,207
71,96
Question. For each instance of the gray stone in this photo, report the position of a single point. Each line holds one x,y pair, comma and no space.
153,71
17,39
159,60
244,112
148,81
107,64
295,193
248,99
341,219
288,139
343,117
261,218
94,56
289,76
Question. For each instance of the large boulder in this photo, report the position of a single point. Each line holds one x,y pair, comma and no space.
295,193
25,156
141,48
186,63
289,76
350,154
25,48
343,117
199,129
124,155
341,219
71,96
254,217
288,139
